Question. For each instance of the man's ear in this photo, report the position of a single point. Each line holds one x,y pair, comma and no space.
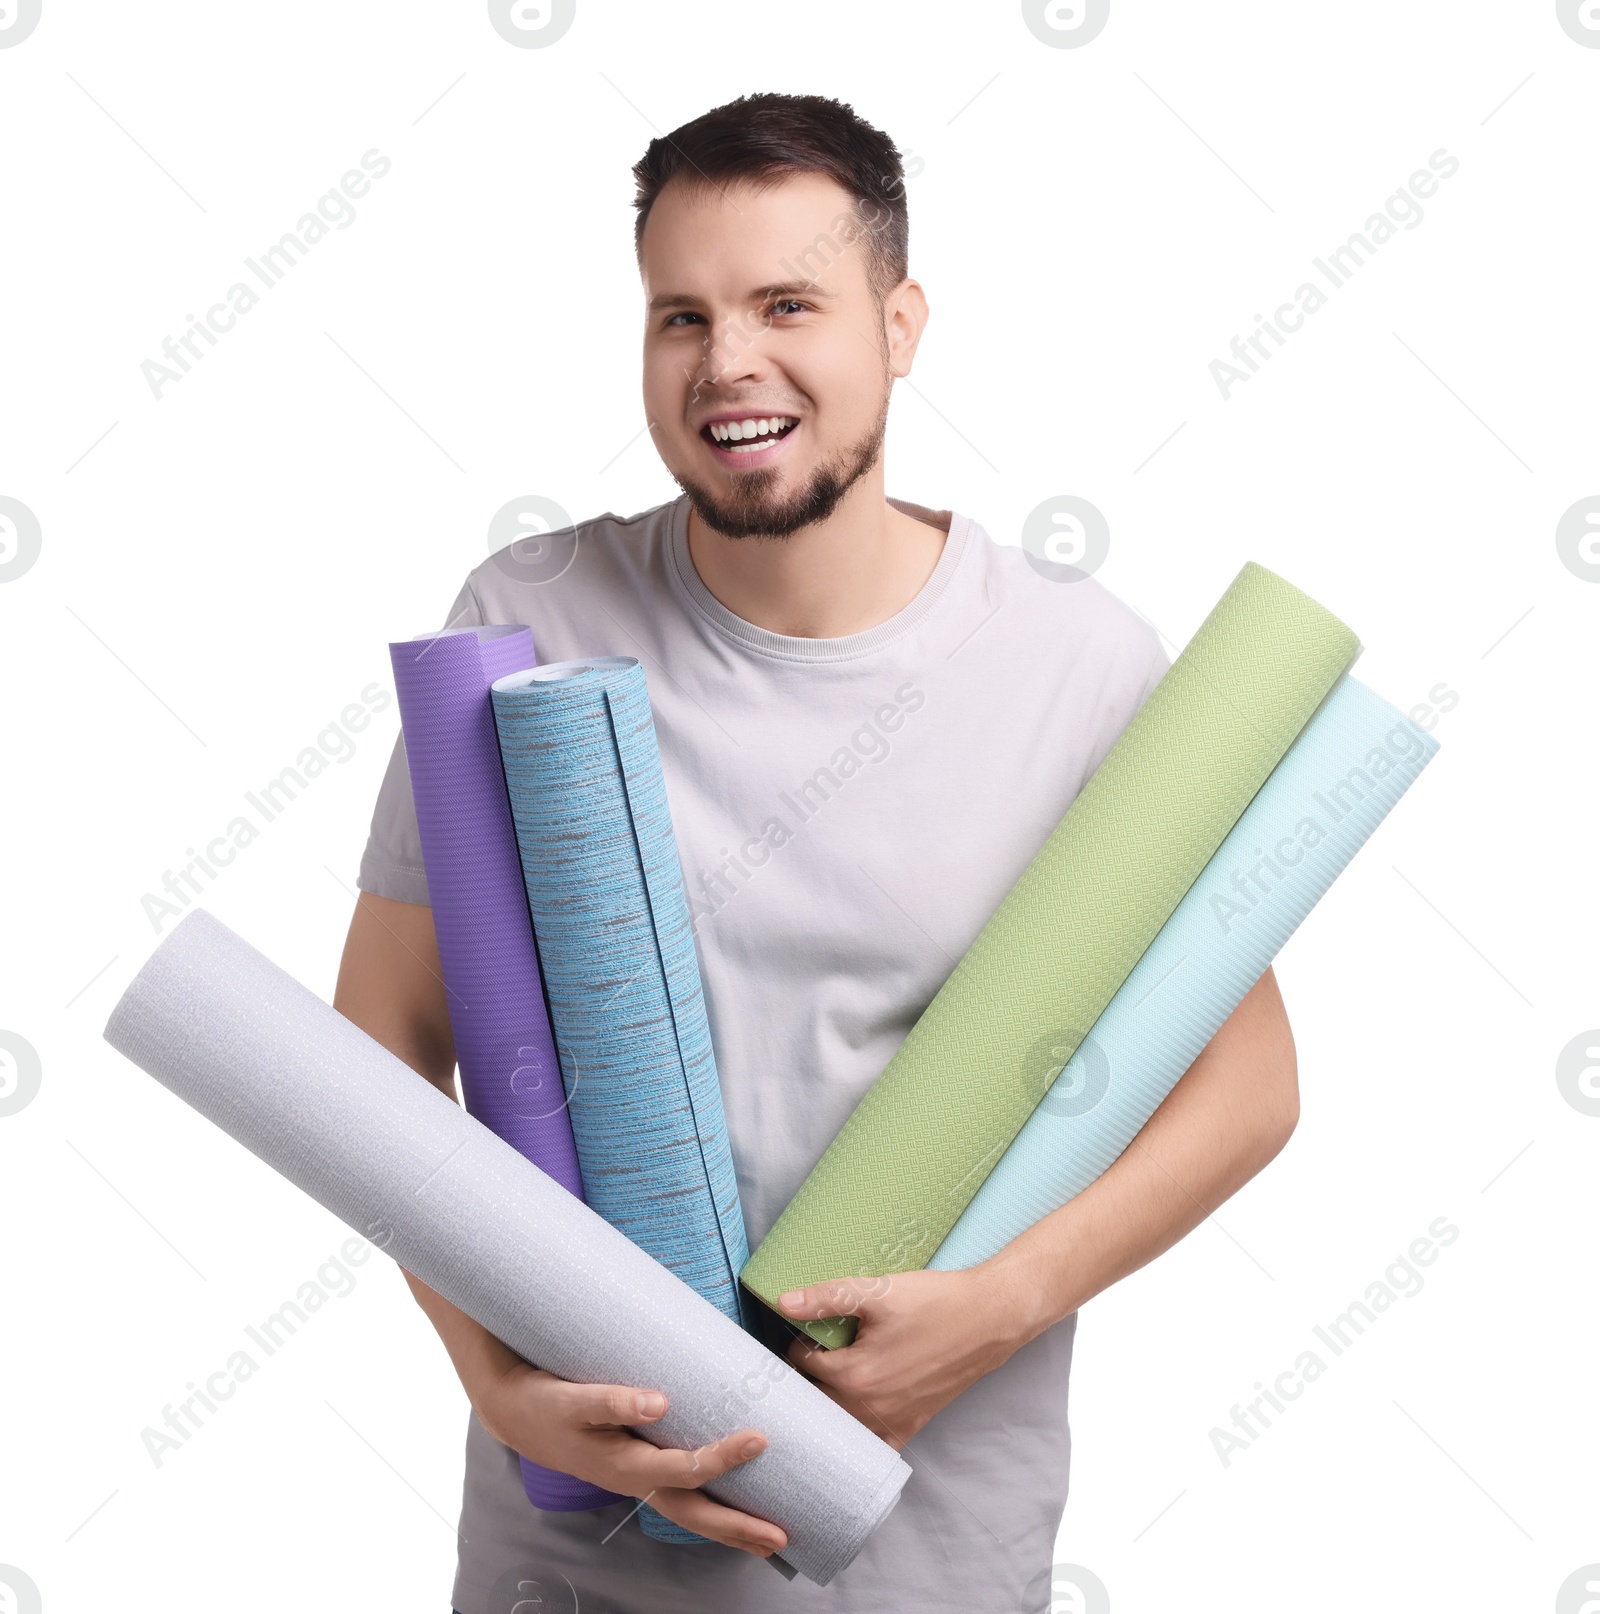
905,316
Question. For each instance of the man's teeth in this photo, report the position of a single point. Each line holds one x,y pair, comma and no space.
740,431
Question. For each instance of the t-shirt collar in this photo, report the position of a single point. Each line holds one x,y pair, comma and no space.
784,647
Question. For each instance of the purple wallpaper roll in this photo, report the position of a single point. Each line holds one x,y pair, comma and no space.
510,1077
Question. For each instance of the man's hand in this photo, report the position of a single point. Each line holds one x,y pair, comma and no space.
390,986
921,1339
583,1430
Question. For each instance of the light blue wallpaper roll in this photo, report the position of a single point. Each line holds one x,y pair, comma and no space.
605,889
1354,760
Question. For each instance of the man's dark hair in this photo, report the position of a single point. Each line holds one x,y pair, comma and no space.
763,139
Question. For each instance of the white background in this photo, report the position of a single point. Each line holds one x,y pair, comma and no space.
221,570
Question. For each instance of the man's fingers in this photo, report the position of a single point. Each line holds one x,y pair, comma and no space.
809,1359
696,1511
604,1406
627,1463
817,1361
838,1297
645,1467
839,1376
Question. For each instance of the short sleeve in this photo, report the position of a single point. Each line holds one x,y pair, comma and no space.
391,864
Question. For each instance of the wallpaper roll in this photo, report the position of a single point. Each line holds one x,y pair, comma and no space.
1354,761
917,1148
605,888
510,1078
320,1102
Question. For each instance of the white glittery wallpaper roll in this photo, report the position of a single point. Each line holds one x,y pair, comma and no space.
320,1102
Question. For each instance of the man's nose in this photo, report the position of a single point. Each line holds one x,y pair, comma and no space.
733,349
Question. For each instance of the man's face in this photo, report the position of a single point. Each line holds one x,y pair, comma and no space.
761,322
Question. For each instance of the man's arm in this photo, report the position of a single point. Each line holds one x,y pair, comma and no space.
1227,1118
925,1336
390,985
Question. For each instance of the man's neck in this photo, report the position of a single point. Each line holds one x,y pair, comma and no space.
860,567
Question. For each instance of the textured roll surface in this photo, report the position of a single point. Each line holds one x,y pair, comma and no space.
909,1159
320,1102
1337,783
510,1078
605,887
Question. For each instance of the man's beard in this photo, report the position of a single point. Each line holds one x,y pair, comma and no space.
750,511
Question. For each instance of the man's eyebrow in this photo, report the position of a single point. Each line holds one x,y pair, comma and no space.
793,288
761,294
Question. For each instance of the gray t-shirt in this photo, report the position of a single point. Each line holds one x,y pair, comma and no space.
849,812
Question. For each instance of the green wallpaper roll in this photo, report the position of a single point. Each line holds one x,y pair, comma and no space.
919,1145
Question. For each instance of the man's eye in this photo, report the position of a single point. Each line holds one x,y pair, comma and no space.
672,319
786,304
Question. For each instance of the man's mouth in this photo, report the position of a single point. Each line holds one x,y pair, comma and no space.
750,438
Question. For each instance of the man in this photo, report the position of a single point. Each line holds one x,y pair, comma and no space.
870,718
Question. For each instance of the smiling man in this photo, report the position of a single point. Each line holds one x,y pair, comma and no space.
870,717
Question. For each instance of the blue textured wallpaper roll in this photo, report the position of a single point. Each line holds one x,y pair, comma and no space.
606,892
1354,760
